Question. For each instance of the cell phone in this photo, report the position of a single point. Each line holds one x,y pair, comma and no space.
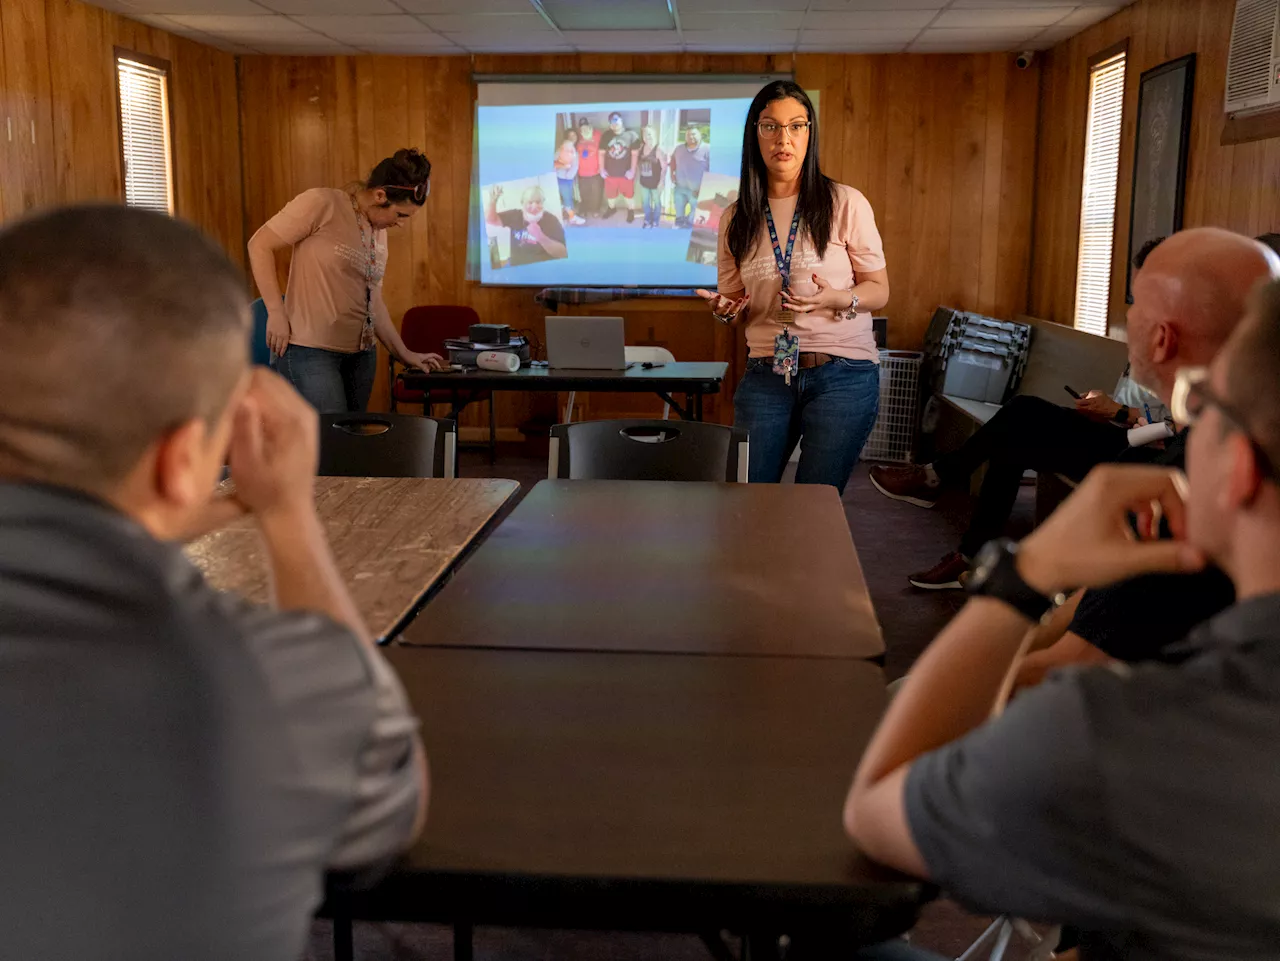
1073,393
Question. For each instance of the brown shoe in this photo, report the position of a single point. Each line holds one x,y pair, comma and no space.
948,574
910,484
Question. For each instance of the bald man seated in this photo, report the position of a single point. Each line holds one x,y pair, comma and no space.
1188,299
1134,802
178,768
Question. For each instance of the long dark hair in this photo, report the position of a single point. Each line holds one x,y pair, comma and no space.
816,202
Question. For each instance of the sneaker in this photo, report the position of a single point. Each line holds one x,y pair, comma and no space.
949,574
910,484
631,216
577,221
608,213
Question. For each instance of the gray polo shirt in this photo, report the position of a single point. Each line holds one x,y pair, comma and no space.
177,768
1139,803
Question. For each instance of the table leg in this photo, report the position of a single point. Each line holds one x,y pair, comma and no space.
463,949
697,403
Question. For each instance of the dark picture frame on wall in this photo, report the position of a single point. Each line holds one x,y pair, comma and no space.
1160,155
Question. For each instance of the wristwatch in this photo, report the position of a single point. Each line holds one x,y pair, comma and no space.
1121,416
995,574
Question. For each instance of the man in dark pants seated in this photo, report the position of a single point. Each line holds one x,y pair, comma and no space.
1029,433
1135,803
178,768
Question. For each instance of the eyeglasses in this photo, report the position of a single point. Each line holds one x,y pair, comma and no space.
1191,397
420,193
772,131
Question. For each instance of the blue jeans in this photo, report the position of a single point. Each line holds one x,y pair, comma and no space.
651,199
566,193
329,380
686,198
833,406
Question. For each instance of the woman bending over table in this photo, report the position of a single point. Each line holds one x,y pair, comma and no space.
323,332
802,268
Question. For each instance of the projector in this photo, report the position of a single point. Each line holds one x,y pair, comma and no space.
490,334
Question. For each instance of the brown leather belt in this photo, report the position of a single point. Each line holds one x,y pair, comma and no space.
813,359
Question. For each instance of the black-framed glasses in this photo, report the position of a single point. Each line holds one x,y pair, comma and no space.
1191,396
420,193
771,130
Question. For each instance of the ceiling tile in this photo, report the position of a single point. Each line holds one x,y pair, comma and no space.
997,39
500,24
483,42
748,39
338,27
884,37
609,14
332,7
965,46
1087,16
868,19
1022,4
740,6
292,45
840,46
740,20
1009,17
878,4
632,39
266,25
450,6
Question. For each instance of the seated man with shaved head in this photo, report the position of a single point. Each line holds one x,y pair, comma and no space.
178,768
1135,802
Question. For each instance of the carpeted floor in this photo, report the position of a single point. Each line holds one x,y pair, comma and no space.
893,540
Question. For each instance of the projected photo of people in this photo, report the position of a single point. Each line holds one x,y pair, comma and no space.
520,222
716,193
690,161
616,168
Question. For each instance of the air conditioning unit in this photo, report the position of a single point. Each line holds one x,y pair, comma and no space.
1253,65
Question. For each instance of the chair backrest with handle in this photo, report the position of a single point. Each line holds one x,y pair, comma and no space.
648,450
387,445
259,352
425,328
649,355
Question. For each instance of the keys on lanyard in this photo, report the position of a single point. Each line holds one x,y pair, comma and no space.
786,346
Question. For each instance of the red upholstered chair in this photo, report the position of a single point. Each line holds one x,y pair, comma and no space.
424,330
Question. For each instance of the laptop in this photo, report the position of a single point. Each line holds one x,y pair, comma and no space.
586,343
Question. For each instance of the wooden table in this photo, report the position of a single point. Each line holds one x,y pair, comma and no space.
663,567
642,792
394,540
694,379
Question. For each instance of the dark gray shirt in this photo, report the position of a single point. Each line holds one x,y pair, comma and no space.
177,768
1139,803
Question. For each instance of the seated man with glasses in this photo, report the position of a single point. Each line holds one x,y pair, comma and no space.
1135,803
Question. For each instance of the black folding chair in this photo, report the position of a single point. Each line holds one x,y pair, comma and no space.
387,445
648,450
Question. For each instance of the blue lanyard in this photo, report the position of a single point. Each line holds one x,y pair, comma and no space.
783,260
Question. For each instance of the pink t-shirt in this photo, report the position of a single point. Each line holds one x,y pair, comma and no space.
854,248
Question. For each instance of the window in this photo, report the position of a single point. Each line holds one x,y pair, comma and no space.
144,132
1098,197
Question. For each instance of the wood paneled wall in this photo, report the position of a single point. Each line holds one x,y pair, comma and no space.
1237,187
943,146
60,139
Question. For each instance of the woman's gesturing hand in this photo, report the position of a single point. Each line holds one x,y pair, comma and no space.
724,309
826,296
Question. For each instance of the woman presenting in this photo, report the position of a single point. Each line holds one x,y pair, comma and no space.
802,267
323,331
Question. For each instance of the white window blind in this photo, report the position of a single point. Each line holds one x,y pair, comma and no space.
1098,198
144,135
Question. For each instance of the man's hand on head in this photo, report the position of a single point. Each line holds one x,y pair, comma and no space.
1089,541
274,447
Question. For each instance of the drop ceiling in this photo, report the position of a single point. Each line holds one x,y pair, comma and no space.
441,27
